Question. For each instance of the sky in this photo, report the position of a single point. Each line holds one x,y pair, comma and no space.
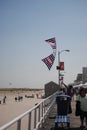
24,27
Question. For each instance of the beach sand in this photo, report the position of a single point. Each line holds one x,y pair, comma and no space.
12,109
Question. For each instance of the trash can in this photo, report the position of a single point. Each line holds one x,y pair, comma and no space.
63,102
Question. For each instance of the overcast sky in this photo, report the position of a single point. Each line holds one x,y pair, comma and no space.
24,27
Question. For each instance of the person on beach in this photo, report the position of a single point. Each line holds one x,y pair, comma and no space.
4,99
82,98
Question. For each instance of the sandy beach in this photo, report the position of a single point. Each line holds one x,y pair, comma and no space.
13,108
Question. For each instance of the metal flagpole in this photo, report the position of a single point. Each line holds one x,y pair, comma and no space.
58,67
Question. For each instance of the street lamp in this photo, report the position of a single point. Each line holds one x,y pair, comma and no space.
58,67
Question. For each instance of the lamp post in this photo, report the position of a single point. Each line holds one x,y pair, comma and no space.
58,67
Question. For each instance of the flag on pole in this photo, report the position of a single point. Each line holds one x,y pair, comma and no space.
52,42
49,61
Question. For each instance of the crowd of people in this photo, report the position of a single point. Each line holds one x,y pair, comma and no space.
81,102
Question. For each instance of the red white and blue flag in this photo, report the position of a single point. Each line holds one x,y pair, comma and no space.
49,60
52,42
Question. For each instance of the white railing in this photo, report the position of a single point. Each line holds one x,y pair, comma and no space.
34,118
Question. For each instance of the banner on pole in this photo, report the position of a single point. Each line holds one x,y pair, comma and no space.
61,65
52,42
49,60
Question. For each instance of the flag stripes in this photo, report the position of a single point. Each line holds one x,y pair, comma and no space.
49,61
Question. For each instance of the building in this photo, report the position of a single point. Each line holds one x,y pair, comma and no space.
79,77
84,75
51,88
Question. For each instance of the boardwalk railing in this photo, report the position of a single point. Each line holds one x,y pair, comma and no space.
34,118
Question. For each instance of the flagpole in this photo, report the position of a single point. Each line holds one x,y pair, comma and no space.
58,67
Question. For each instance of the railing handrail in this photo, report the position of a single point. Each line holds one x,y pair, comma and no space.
46,110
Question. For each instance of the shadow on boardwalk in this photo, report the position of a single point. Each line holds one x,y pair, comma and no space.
77,128
74,121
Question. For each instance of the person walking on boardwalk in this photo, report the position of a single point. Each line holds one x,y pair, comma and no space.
82,98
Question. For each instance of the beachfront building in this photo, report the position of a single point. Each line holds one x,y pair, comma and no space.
84,75
51,88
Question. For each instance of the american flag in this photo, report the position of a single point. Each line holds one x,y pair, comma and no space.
52,42
49,61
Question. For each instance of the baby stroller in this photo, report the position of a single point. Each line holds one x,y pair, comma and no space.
63,104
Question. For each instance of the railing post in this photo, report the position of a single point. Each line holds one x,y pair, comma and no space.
42,113
29,121
42,109
39,114
35,118
44,106
19,124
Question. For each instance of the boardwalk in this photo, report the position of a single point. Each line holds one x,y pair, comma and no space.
74,121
